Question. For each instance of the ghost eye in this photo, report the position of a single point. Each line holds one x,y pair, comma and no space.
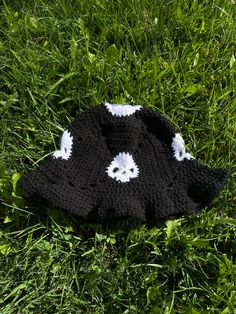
115,169
132,169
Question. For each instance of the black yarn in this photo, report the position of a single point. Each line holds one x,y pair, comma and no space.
163,186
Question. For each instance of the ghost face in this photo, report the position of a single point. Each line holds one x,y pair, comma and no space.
123,168
65,150
121,110
179,148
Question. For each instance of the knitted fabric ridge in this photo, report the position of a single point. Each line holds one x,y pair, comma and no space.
124,160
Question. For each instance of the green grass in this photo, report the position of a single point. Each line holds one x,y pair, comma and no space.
60,57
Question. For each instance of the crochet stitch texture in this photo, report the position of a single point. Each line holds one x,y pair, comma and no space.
124,160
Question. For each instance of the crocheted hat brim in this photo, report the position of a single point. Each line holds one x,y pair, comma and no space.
174,200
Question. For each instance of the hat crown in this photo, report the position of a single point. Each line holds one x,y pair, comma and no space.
122,135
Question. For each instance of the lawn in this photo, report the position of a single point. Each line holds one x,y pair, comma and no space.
59,58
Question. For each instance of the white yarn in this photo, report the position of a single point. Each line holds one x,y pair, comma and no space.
123,168
66,146
179,148
121,110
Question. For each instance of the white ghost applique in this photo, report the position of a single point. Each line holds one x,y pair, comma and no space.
66,146
179,148
123,168
121,110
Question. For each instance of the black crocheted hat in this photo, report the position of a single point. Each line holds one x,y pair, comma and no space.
124,160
